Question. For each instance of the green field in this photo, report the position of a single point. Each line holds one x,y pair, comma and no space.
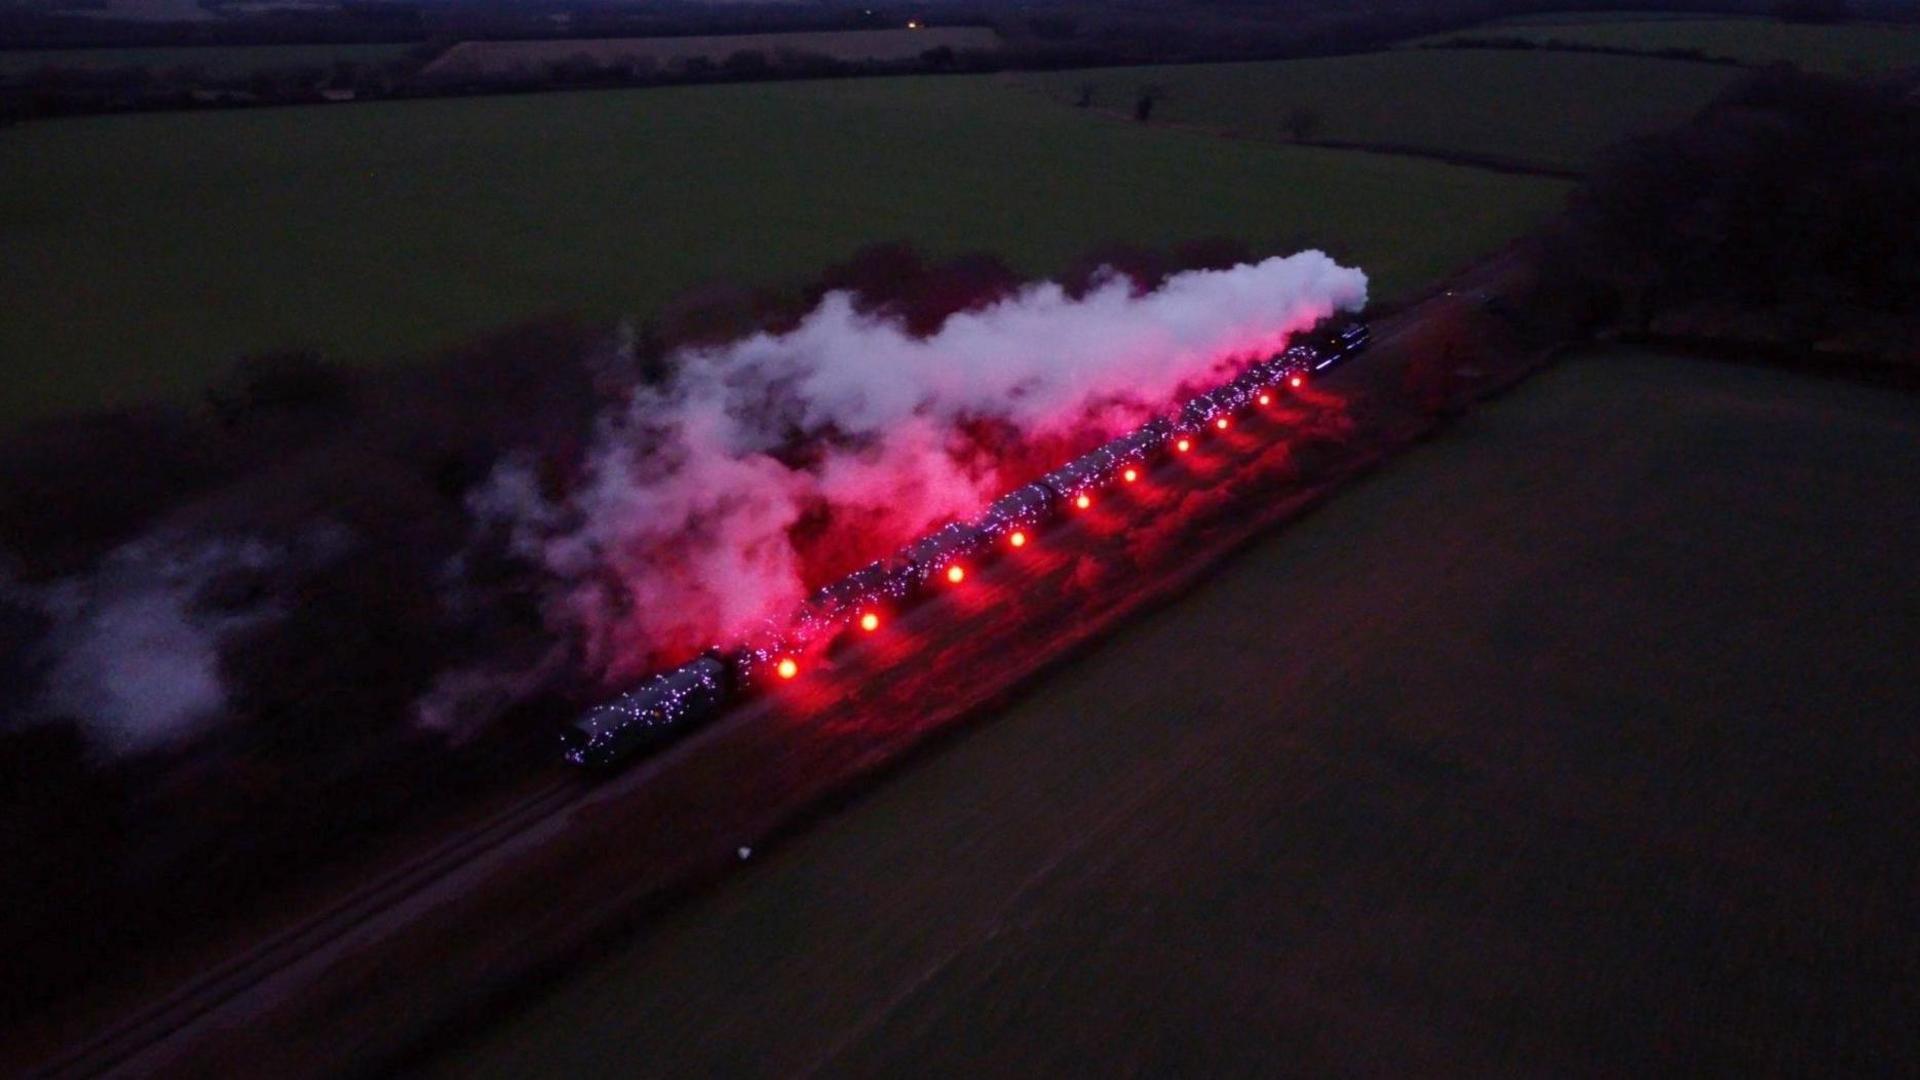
220,61
1547,109
1580,740
1847,49
143,254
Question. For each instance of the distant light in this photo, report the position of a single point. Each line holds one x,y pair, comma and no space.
1083,502
787,668
1266,399
955,574
1183,446
1221,423
869,622
1295,382
1018,539
1130,476
913,24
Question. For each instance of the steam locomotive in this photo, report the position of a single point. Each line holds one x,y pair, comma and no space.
673,702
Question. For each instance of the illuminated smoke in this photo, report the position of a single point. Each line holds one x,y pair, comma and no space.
131,650
680,532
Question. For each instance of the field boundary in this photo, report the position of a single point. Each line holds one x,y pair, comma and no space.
1460,159
1494,44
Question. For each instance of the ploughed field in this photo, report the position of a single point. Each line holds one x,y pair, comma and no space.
144,254
1528,109
1840,49
1582,738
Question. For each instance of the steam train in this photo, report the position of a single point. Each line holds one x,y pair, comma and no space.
673,702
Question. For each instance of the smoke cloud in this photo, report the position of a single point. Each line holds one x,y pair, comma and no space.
132,650
707,504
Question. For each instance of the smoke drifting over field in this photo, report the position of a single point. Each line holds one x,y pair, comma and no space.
132,651
708,504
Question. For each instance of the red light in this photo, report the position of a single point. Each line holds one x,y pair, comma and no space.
1018,539
1183,446
1221,423
1130,476
787,668
956,575
869,622
1266,399
1295,382
1083,502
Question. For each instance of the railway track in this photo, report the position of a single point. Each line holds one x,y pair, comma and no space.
113,1050
139,1043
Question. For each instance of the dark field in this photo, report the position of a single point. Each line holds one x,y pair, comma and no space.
144,254
1579,741
219,61
1550,110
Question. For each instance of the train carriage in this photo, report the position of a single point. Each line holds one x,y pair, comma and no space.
663,708
939,551
1081,475
877,582
1016,511
1136,446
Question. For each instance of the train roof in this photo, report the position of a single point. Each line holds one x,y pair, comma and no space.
1251,380
875,577
1018,506
946,542
1083,472
660,701
1202,408
1140,441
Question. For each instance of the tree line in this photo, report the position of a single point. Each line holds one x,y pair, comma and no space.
1783,219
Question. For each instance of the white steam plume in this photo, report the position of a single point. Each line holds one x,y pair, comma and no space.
679,534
